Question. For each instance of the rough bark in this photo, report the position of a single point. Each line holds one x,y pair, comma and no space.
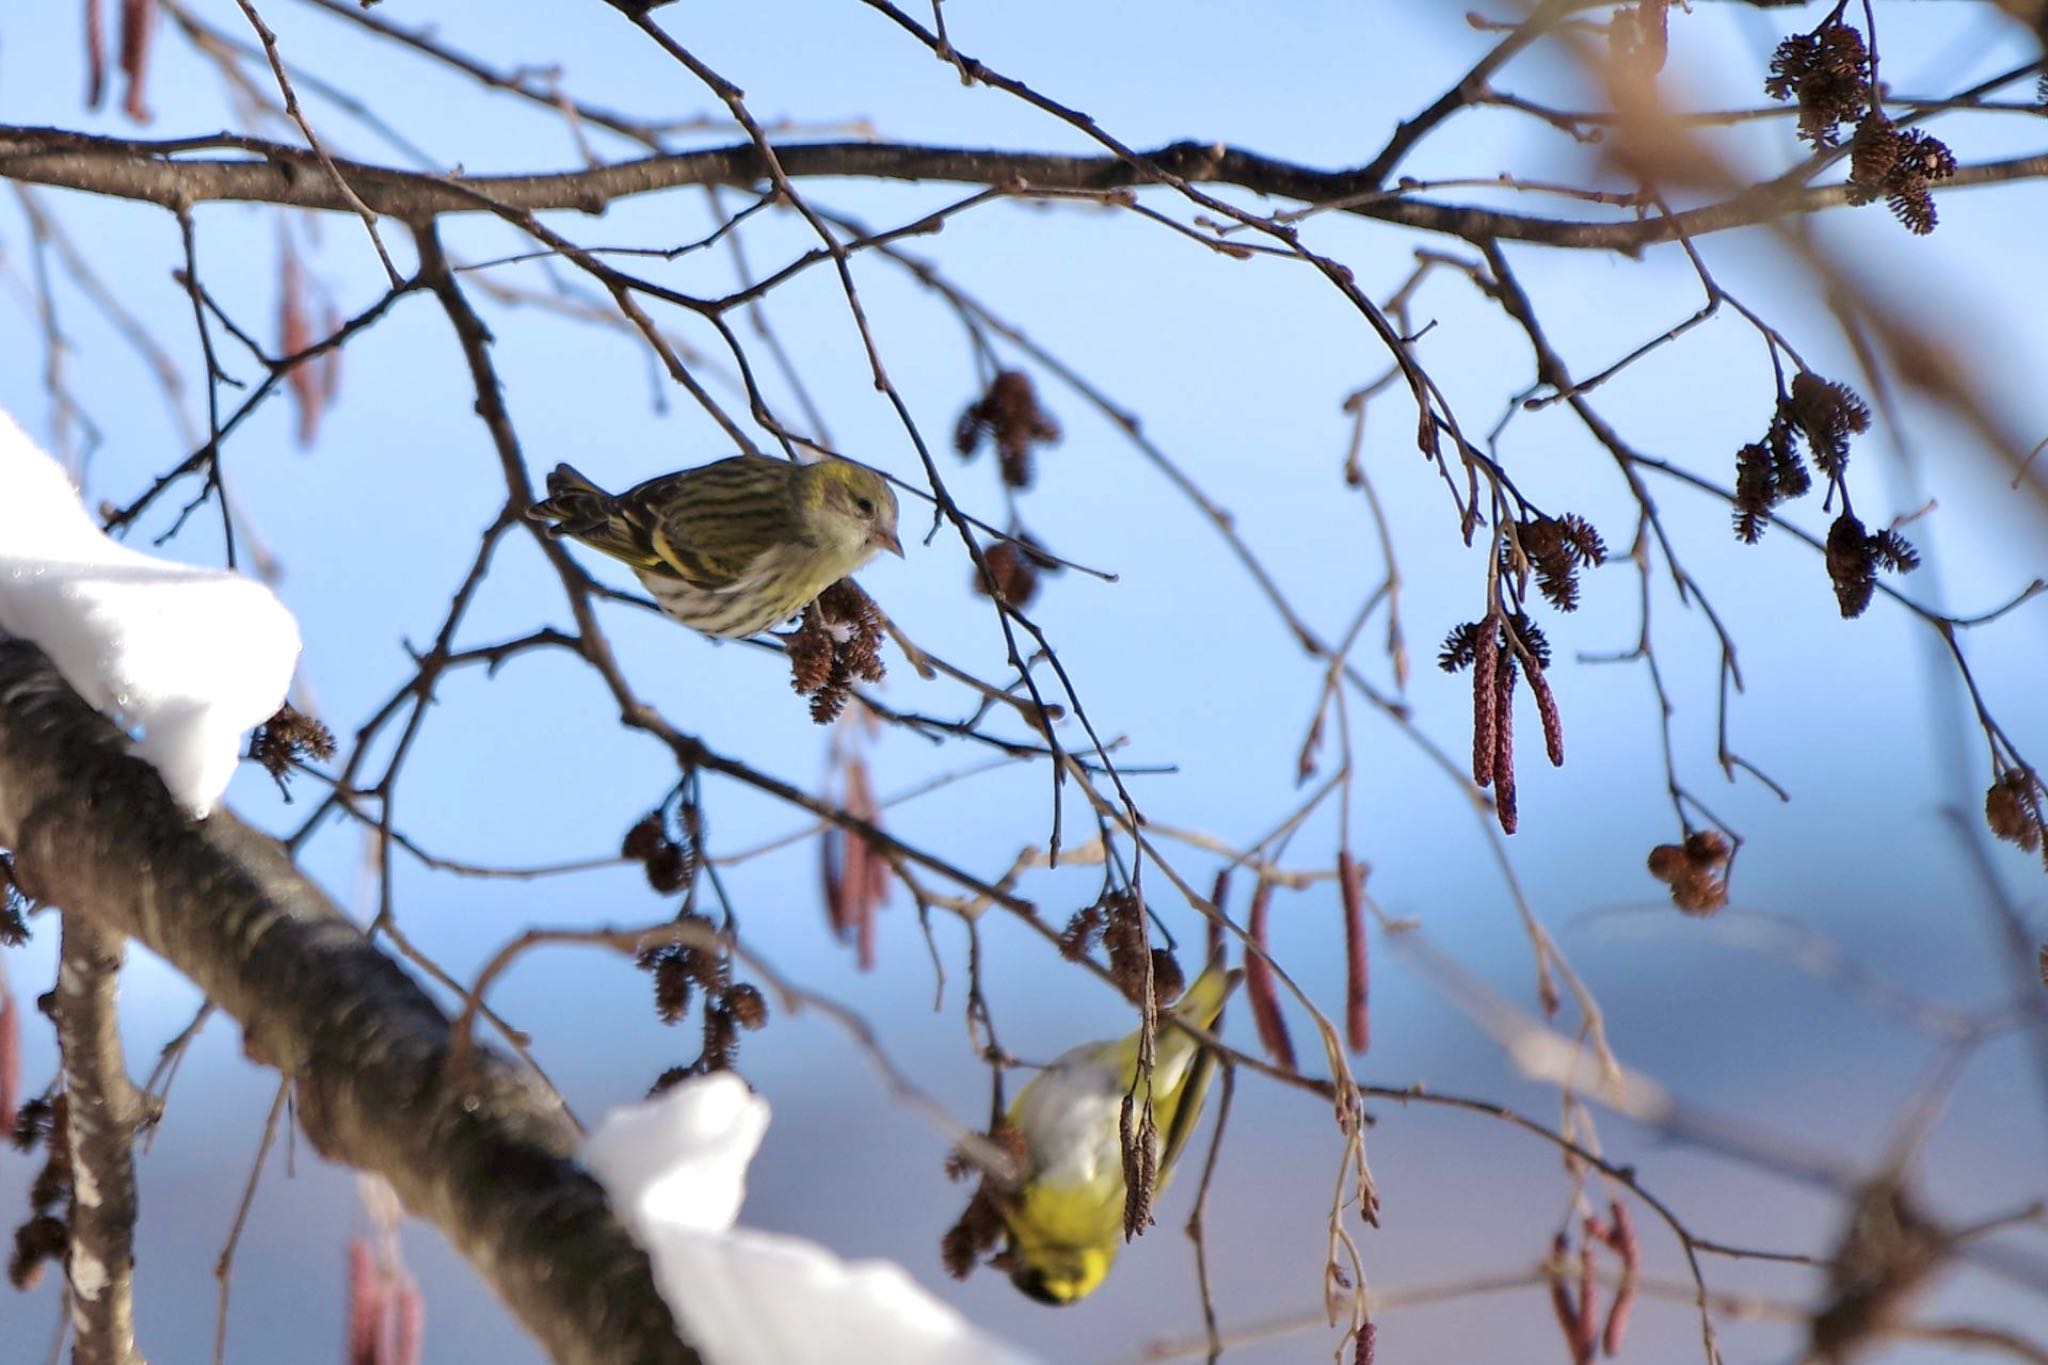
166,173
102,1110
486,1156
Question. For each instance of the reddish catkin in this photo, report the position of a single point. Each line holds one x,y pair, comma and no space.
365,1304
864,942
1368,1344
1358,979
849,903
1553,723
330,359
1586,1328
1621,1236
138,22
1561,1297
1485,662
1504,748
295,334
855,874
1617,1321
1216,898
867,871
408,1324
95,54
1259,985
869,809
10,1061
860,860
834,878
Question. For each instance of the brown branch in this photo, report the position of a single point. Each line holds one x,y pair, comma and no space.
1470,89
275,173
103,1110
319,149
224,1267
1977,1336
490,1163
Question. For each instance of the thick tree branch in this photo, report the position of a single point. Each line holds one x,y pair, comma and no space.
102,1112
487,1156
274,173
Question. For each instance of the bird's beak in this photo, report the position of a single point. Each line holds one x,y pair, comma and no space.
886,540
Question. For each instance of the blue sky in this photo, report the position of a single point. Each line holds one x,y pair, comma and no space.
1238,370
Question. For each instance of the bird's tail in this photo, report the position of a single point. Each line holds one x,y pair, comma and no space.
1200,1003
1179,1105
577,508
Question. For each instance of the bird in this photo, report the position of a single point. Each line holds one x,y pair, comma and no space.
736,546
1065,1217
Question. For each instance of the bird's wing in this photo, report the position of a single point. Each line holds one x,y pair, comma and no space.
1184,1109
709,525
1050,1110
1177,1100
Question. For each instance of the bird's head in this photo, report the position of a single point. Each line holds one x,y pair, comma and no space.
849,506
1062,1240
1059,1275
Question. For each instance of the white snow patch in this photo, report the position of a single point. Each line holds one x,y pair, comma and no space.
184,659
675,1168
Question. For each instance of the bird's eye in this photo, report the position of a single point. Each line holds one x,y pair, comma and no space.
866,506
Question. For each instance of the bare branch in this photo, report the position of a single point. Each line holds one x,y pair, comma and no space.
160,172
103,1111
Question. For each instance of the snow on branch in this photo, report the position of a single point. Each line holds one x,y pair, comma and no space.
184,659
484,1152
675,1168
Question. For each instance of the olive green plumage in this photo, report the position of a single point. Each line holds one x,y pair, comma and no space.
736,546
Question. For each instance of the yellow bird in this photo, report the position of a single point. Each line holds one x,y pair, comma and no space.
1066,1219
735,546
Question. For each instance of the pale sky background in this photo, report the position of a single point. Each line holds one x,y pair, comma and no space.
1238,370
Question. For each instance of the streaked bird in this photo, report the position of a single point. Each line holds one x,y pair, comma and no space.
1066,1219
736,546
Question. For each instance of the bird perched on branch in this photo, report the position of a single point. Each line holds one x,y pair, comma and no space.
1066,1217
736,546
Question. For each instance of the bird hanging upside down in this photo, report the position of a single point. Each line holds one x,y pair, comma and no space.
1066,1217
